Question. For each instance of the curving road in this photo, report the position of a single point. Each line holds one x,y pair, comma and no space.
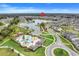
58,44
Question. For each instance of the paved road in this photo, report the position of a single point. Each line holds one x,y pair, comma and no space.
58,44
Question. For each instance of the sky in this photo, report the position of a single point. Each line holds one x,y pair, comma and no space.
39,7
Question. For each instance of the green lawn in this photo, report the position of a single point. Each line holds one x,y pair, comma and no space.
1,41
7,52
48,38
39,52
1,24
25,51
60,52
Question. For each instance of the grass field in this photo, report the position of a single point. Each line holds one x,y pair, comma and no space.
7,52
25,51
48,38
1,24
60,52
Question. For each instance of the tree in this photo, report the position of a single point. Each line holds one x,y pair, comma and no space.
14,21
28,19
42,27
18,54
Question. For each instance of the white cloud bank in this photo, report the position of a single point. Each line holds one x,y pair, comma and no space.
4,8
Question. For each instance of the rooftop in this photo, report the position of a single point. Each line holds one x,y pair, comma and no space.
29,41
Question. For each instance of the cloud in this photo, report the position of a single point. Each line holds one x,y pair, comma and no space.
4,5
5,8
